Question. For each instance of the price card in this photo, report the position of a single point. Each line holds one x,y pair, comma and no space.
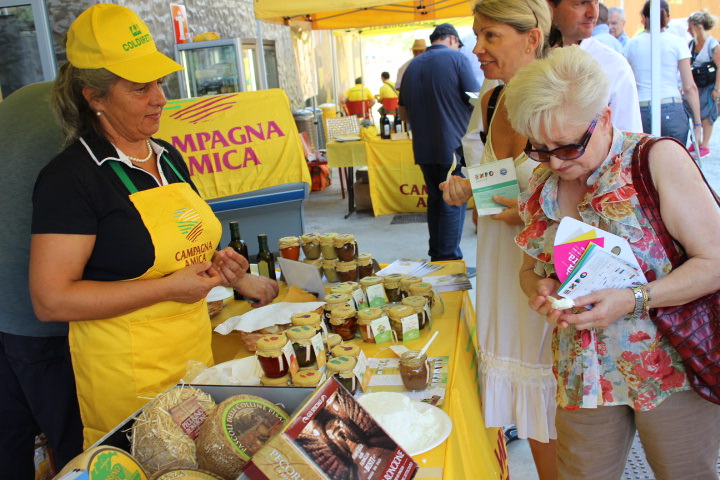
381,330
361,300
376,295
410,327
319,347
428,315
289,353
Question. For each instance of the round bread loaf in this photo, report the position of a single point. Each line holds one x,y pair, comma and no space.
237,429
185,474
104,463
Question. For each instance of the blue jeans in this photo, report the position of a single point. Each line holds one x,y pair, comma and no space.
445,222
674,121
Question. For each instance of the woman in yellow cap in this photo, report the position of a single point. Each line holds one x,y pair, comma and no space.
123,247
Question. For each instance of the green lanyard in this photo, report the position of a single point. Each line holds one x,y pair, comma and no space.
129,184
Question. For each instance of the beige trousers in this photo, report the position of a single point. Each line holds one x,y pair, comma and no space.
681,438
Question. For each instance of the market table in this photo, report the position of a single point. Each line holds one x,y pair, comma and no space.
396,183
471,451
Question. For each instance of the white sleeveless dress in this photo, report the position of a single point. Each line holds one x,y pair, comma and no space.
517,383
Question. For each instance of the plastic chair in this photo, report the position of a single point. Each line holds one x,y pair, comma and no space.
359,108
390,105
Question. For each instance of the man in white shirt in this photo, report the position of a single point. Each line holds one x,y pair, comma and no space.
616,22
575,21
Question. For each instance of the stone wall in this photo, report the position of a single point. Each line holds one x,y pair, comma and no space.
231,18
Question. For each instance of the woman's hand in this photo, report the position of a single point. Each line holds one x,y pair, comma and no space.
258,290
230,265
511,214
544,288
192,283
608,306
456,190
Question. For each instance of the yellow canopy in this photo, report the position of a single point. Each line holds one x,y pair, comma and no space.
344,14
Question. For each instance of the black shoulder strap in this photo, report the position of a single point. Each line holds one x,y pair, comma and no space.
492,103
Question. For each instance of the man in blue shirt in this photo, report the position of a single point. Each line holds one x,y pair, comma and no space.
433,101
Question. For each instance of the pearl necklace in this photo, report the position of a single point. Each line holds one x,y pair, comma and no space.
143,160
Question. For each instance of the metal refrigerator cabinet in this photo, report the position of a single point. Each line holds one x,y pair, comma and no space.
211,68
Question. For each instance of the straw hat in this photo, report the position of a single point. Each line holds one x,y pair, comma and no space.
419,45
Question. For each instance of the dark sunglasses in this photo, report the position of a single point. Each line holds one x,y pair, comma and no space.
571,151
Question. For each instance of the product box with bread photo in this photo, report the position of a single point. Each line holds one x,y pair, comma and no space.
331,437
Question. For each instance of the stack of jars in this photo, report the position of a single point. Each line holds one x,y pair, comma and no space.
335,255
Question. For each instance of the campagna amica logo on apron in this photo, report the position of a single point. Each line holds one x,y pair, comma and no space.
189,222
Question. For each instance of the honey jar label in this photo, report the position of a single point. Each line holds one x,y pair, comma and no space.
360,370
319,346
381,329
292,360
360,299
410,327
428,316
376,295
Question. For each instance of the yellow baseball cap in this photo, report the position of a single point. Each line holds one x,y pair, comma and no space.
113,37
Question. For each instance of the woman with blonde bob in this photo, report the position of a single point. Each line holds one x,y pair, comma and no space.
515,361
616,374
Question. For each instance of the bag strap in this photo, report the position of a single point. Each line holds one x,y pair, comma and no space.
492,104
650,200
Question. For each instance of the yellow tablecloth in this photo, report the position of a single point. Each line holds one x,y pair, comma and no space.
471,451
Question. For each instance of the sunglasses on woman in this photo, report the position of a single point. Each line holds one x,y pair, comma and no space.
571,151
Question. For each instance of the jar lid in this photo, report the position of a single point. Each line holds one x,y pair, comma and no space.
345,350
332,340
364,259
329,262
341,314
327,238
342,288
344,238
337,298
417,301
345,266
400,311
410,280
420,288
350,283
286,242
269,343
368,281
310,238
341,364
317,262
274,382
307,378
300,332
392,280
310,318
366,315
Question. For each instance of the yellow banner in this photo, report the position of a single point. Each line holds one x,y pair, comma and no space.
236,143
396,183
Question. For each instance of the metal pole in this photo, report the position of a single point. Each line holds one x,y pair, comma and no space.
655,120
261,54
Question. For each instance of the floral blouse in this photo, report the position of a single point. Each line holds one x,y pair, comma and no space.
629,362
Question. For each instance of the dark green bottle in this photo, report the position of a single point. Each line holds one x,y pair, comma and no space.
265,258
239,245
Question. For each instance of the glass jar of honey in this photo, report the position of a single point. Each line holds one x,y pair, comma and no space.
344,287
374,291
346,271
345,350
307,378
365,265
333,340
333,301
328,267
311,245
345,247
304,351
342,369
418,303
414,370
406,282
327,246
424,289
269,354
391,283
310,319
343,321
365,318
289,248
396,314
275,382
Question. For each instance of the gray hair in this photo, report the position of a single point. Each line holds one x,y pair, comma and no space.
522,15
568,87
619,10
703,18
72,110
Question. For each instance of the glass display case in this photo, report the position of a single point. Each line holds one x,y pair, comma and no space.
211,67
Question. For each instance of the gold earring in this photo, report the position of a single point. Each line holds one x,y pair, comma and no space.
98,113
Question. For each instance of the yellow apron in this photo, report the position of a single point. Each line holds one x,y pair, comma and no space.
121,363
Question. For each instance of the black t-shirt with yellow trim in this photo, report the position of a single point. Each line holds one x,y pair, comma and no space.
79,193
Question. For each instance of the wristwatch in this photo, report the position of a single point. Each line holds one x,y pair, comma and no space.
641,301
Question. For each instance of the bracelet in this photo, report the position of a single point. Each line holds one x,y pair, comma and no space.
642,301
698,124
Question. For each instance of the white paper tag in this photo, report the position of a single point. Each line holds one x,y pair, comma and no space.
319,346
381,329
376,295
289,353
410,327
360,368
360,299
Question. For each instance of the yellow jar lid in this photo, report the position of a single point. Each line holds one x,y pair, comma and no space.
368,281
327,238
307,378
300,332
416,301
345,266
345,350
366,315
343,239
410,280
400,311
342,288
353,285
337,298
341,364
392,280
333,339
329,263
269,343
274,382
286,242
420,288
310,238
310,318
341,314
364,259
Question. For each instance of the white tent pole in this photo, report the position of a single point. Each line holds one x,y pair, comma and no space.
655,80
